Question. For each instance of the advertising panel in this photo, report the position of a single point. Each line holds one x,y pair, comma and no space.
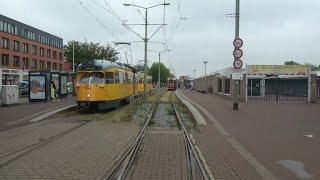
278,69
37,87
64,84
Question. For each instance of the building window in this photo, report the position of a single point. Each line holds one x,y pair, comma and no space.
34,64
26,62
29,34
5,43
34,50
48,53
5,59
48,65
16,45
5,27
41,51
60,56
41,64
54,54
25,48
54,66
1,26
16,61
60,67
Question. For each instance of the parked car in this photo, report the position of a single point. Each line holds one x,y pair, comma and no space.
24,88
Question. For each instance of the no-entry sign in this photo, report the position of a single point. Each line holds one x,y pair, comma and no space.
237,43
237,64
237,53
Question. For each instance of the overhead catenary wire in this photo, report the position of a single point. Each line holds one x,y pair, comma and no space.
97,19
112,12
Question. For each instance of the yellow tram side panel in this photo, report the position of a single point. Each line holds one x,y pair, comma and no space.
140,84
103,92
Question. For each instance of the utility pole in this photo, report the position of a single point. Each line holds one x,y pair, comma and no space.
145,53
205,75
146,39
159,72
73,56
159,63
237,82
194,74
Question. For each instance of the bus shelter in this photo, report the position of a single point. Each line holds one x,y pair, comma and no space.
40,84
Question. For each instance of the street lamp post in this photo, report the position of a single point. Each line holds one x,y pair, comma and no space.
205,75
194,74
159,63
145,39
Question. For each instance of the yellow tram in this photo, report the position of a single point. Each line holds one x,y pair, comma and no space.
140,82
102,84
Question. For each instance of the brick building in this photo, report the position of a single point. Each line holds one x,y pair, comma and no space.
24,48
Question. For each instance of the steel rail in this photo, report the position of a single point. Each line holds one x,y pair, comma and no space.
32,147
191,150
123,165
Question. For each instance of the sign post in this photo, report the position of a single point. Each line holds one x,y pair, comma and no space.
237,65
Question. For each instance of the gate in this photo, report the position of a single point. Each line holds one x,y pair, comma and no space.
277,89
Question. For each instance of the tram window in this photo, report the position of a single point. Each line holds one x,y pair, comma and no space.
116,77
141,81
85,78
126,78
121,77
92,78
130,78
97,78
109,78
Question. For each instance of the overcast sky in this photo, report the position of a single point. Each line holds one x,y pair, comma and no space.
273,31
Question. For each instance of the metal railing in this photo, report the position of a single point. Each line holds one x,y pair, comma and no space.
137,99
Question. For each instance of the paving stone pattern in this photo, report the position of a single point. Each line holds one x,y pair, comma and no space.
85,153
162,155
21,137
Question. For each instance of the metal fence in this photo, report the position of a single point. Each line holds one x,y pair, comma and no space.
220,85
227,86
318,82
277,89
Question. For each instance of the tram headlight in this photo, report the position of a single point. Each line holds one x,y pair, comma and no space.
89,95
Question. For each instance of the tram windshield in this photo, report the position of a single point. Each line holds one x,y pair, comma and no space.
92,78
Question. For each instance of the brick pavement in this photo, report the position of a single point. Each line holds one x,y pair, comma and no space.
20,114
21,138
269,131
161,156
85,153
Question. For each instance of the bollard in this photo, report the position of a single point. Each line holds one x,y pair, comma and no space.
235,106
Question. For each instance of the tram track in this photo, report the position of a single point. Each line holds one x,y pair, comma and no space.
195,168
16,154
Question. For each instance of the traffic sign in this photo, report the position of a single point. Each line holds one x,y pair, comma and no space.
237,64
237,43
237,53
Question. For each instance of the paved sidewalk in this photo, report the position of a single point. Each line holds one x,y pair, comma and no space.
267,139
21,114
85,153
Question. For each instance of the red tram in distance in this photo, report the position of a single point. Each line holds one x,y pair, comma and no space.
171,84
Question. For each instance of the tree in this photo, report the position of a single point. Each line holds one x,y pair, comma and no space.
291,63
90,50
313,66
164,72
140,67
